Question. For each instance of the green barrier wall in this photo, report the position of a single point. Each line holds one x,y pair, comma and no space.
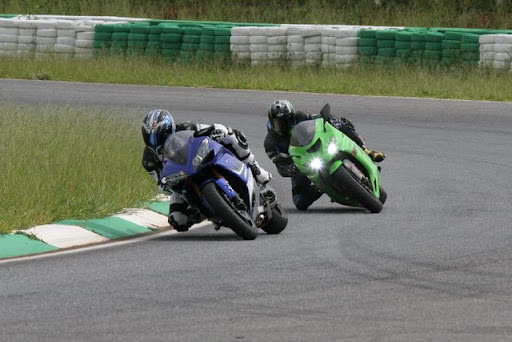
173,40
425,45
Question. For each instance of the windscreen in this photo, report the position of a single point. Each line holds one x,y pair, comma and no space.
303,133
176,147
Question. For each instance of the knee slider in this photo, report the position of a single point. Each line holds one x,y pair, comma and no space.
178,219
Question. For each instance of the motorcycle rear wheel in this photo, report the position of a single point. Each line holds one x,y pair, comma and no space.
348,181
229,215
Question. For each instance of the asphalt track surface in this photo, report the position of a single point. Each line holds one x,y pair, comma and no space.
434,265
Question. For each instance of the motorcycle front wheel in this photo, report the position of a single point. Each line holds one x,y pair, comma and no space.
383,195
347,180
227,213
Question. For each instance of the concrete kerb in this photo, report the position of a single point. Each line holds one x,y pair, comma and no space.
70,234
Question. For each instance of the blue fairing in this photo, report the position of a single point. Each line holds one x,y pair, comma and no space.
181,149
186,156
183,161
225,159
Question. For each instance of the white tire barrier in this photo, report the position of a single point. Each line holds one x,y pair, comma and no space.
8,38
295,39
300,44
66,38
49,35
258,44
312,45
239,40
46,37
277,43
328,46
496,51
5,38
66,41
26,37
278,40
84,44
347,50
240,43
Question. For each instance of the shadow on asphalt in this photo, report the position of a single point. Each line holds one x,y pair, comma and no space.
330,210
193,236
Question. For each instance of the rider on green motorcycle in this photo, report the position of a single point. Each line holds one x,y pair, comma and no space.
281,120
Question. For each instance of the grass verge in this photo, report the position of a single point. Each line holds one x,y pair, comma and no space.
58,164
456,82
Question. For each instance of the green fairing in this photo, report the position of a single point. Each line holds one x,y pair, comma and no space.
303,158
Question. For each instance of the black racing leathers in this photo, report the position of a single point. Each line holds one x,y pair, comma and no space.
304,193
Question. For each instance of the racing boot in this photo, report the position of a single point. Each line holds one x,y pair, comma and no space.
377,157
262,176
303,200
182,221
181,215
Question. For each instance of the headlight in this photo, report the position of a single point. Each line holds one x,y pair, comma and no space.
316,164
332,148
174,178
202,151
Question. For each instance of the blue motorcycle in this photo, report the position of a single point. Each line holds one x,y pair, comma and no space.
221,187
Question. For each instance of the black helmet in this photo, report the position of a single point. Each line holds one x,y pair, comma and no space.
281,116
158,124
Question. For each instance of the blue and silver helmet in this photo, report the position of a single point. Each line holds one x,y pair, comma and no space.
157,126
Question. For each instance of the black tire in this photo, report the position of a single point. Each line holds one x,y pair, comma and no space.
383,195
278,221
228,214
347,180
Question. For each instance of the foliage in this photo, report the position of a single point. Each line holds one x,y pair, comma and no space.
440,13
462,82
58,164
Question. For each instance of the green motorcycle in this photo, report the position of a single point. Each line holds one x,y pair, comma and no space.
336,164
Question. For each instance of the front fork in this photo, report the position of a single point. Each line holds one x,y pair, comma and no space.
352,167
223,184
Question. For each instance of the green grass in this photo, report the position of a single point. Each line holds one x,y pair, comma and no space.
58,164
457,82
440,13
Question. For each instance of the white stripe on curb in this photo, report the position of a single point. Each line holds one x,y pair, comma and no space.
114,243
145,218
64,236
